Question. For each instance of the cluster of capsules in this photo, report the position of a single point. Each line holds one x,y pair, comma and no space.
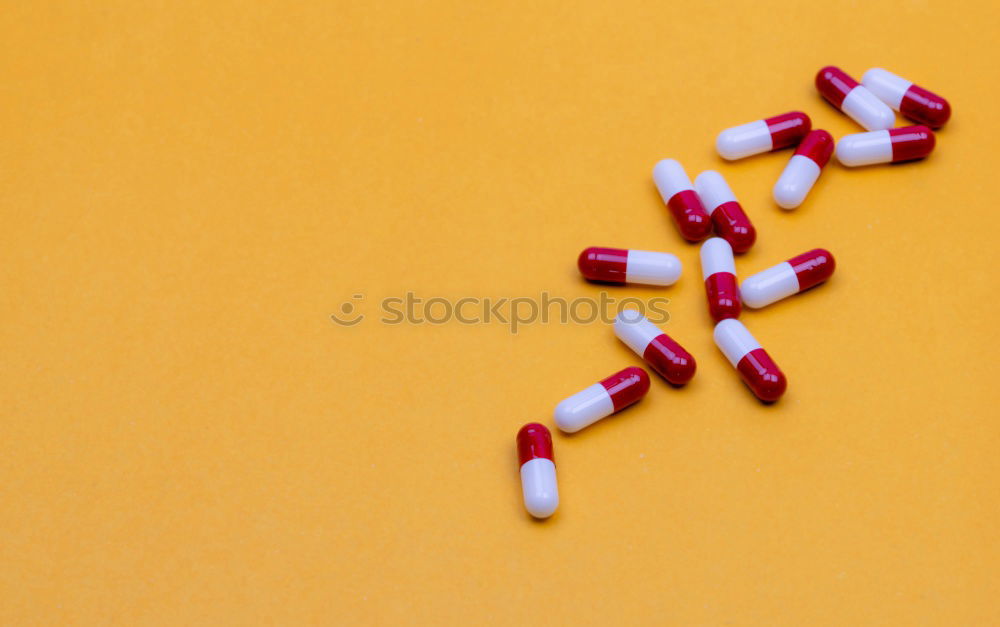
710,205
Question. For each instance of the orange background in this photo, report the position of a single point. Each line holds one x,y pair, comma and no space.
191,189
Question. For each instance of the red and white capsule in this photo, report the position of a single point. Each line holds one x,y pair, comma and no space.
755,366
538,470
658,349
854,99
904,143
769,134
803,169
676,191
719,271
602,399
913,101
731,222
617,265
787,278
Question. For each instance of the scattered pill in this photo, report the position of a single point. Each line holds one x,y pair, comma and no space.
678,194
861,105
913,101
719,272
602,399
731,222
788,277
803,169
617,265
755,366
765,135
658,349
538,470
904,143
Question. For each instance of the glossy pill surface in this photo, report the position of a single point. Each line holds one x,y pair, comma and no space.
617,265
756,368
803,169
728,217
913,101
787,278
658,349
538,470
719,271
774,133
602,399
904,143
677,192
854,99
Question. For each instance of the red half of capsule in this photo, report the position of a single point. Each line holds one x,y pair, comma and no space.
533,441
604,264
668,358
723,296
818,146
762,375
626,387
911,142
788,129
813,267
925,107
834,84
690,215
733,225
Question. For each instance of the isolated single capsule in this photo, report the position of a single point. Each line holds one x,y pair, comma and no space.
617,265
755,366
803,169
682,201
662,353
731,222
602,399
719,272
855,100
904,143
538,470
788,277
765,135
913,101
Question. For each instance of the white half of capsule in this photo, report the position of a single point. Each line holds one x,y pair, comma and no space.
717,256
734,340
865,148
652,268
713,190
886,86
635,330
584,408
769,286
670,178
867,110
538,484
795,181
744,140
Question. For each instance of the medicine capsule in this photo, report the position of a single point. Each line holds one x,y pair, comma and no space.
913,101
904,143
538,470
788,277
719,271
602,399
658,349
617,265
755,366
803,169
855,100
765,135
685,206
731,222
